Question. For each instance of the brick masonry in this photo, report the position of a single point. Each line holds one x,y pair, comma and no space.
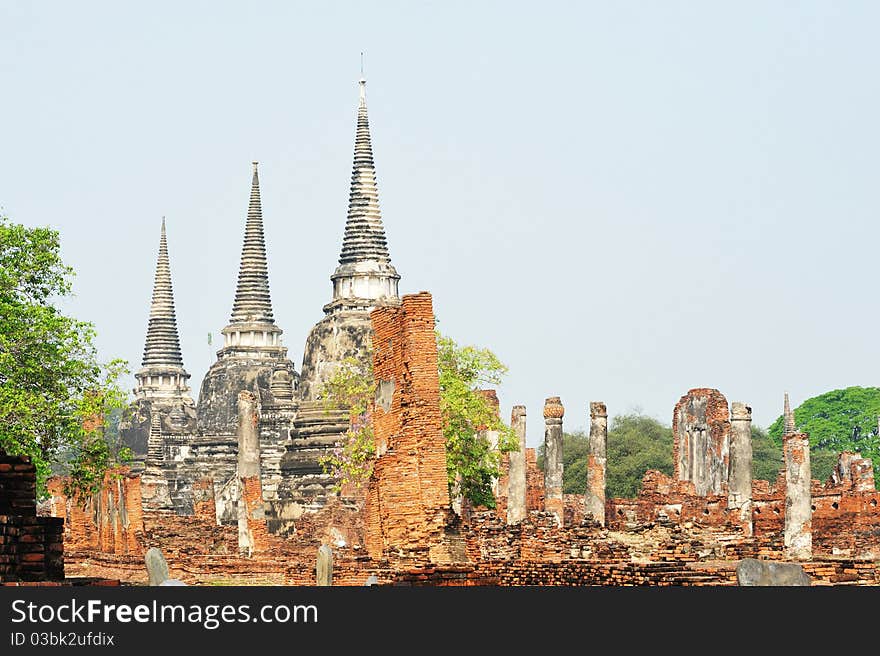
701,440
407,506
31,547
110,521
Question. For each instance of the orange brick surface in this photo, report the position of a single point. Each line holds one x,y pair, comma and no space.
407,503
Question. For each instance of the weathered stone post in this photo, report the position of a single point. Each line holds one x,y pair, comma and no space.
553,413
739,496
157,566
798,537
324,566
516,498
251,514
595,498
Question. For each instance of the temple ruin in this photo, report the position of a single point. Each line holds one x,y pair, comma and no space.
231,488
193,442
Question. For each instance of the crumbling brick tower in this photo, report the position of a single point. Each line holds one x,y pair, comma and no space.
407,507
701,440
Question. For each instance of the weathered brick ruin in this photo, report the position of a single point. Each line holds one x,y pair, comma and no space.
231,489
701,440
408,502
30,546
402,531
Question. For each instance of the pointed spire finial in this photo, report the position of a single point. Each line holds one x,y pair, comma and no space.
788,418
252,301
364,237
162,345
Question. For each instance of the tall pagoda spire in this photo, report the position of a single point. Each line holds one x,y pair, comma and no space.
365,274
364,233
788,426
163,344
162,373
252,301
251,329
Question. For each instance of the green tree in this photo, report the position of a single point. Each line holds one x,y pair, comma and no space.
100,412
351,388
471,461
50,378
636,443
766,455
839,420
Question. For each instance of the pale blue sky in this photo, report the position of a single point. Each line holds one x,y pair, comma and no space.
623,200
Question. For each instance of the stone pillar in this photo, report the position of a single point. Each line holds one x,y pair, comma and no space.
739,494
595,498
516,498
135,512
157,566
798,512
553,413
251,514
324,566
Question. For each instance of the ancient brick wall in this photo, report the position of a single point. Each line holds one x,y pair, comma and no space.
18,486
701,440
31,547
110,521
534,482
204,504
537,552
252,496
845,521
407,503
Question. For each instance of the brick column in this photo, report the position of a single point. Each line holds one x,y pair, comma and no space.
798,537
252,533
135,514
516,498
553,413
739,496
595,497
408,497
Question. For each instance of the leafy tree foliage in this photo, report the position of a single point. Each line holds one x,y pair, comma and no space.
471,460
766,455
839,420
636,443
351,388
50,379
